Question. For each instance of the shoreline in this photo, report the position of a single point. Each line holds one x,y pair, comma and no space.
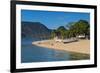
81,46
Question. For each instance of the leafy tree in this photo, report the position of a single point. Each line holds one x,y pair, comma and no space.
79,28
53,33
62,30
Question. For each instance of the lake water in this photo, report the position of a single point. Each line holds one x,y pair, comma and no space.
32,53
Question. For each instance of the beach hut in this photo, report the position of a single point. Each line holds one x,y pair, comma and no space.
81,36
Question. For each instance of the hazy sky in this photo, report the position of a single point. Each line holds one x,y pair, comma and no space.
53,19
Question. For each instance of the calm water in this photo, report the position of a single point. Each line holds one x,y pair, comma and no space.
32,53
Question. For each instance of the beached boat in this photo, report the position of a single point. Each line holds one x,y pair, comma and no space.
69,40
66,40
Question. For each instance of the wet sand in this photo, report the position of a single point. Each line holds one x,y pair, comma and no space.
80,46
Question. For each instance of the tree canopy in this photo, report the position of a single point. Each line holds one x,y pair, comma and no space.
81,27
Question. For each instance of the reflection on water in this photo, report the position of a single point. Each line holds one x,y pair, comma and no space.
32,53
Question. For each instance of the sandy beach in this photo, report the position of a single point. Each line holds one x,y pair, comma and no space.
80,46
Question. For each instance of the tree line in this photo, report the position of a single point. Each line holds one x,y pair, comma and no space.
73,29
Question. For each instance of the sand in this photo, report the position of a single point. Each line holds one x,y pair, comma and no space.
80,46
